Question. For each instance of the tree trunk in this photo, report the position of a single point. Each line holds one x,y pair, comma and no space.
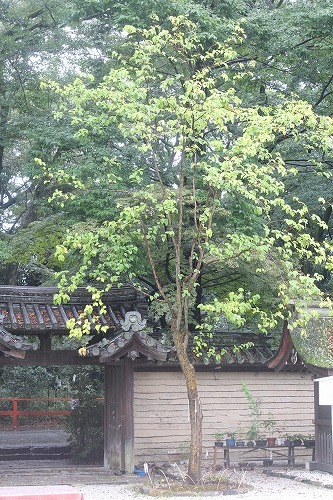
195,411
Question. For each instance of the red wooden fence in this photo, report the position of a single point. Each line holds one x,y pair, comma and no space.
14,413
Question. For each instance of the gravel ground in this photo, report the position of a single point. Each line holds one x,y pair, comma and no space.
264,487
98,484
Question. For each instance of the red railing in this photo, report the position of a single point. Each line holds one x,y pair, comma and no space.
15,413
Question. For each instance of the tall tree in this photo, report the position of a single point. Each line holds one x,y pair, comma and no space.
35,41
205,192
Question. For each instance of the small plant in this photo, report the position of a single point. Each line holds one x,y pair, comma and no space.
258,427
253,432
297,439
219,439
309,441
240,433
255,412
269,424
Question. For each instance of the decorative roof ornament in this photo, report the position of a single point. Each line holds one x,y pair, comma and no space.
133,322
14,345
132,342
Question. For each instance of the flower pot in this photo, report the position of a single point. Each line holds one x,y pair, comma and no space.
219,444
250,443
261,442
240,443
271,441
267,461
289,442
297,442
231,442
139,472
309,443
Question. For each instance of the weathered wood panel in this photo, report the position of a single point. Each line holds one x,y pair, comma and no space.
161,414
119,426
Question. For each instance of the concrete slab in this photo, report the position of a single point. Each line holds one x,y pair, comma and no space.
35,437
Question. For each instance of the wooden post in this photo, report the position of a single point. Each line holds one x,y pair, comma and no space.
45,342
15,415
119,418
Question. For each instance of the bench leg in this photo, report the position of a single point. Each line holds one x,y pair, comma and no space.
291,456
226,458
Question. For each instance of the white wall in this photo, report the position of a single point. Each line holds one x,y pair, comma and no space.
161,425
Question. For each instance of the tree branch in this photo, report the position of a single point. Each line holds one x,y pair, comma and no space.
323,93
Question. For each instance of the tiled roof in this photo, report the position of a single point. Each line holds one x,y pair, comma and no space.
231,345
31,310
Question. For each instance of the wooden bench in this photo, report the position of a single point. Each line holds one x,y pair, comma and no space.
286,452
40,493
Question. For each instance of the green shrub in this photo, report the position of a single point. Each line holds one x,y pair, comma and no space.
85,426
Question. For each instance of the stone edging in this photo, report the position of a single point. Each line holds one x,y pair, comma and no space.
299,479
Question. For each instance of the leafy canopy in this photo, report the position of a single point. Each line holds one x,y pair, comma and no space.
205,192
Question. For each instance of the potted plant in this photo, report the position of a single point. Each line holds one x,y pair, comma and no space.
261,442
230,440
294,440
270,424
252,434
279,441
289,440
218,439
280,438
309,441
240,433
240,441
297,439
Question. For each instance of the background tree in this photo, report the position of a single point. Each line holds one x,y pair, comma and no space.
290,42
35,41
205,191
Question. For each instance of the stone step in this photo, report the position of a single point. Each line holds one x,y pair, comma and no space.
34,453
58,472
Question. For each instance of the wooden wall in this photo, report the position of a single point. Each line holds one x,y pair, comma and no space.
161,426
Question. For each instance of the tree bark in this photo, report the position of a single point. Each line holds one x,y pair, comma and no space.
195,410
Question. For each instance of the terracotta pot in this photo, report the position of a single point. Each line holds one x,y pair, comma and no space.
271,441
